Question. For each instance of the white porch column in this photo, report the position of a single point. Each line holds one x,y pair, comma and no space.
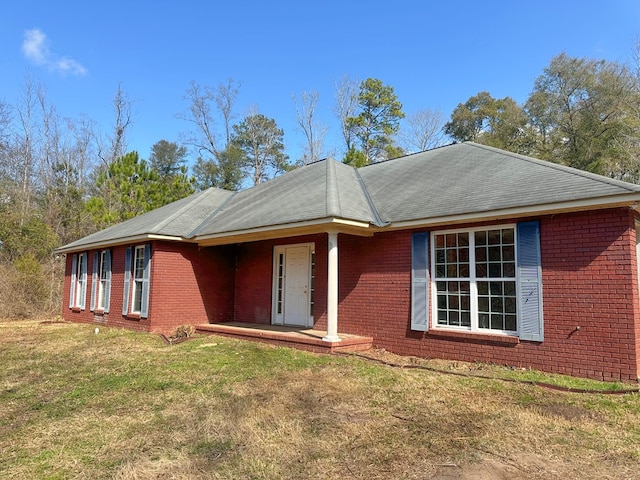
332,289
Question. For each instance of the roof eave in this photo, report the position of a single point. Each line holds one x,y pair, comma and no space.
625,200
118,241
309,227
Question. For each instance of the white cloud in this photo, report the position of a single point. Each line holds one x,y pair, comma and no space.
36,49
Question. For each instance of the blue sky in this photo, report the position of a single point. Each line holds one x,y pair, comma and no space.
434,54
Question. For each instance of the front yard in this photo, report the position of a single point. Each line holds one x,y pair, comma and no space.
124,405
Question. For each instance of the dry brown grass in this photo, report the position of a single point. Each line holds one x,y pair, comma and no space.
122,405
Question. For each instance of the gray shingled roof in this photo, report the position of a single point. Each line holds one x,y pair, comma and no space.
326,189
469,178
461,179
176,219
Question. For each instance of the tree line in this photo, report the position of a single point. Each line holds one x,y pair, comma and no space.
61,178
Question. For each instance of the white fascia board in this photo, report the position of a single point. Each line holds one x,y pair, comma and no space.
626,200
322,225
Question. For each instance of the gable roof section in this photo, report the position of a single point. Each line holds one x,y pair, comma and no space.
173,221
318,192
468,178
450,184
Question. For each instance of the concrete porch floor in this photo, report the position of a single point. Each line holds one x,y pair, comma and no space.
301,338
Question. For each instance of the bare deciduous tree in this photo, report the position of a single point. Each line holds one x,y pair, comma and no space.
346,97
313,131
225,99
423,131
200,114
116,144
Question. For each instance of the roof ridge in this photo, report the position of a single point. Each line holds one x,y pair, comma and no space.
557,166
214,213
372,206
180,211
333,199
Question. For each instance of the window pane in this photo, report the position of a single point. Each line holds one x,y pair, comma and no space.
483,320
510,322
495,288
481,270
495,270
496,321
465,319
507,236
453,302
510,288
510,305
494,237
464,270
481,254
451,240
481,238
509,269
442,301
439,241
508,254
483,304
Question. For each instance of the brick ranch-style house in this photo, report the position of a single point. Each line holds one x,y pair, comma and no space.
464,252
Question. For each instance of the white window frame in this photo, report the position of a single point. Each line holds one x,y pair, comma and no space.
473,280
136,293
80,296
102,279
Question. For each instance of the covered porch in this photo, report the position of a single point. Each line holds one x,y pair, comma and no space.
301,338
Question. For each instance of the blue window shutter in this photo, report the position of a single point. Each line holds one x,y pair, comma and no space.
530,282
127,281
83,274
144,307
420,282
107,284
94,281
72,288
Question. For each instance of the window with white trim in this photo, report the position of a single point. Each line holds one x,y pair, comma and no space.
103,271
138,279
78,290
474,279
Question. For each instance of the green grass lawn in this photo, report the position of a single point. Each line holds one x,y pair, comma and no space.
118,404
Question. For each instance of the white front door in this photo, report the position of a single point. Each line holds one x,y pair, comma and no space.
291,285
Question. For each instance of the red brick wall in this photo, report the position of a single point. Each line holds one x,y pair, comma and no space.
589,280
188,286
254,277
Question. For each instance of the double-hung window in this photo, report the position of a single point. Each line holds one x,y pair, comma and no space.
101,281
78,288
138,278
475,279
137,273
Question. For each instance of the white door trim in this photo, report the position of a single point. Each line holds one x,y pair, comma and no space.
278,288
